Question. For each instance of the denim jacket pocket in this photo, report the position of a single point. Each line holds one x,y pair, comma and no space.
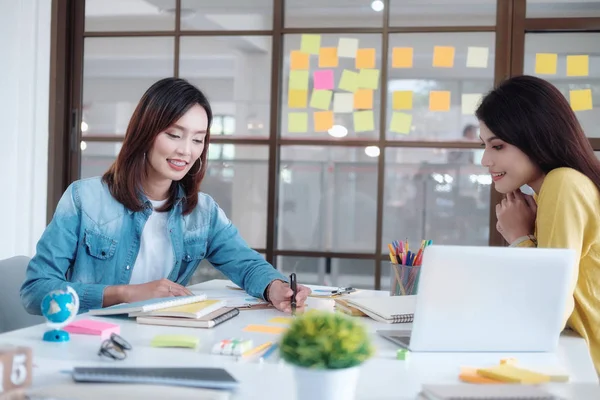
99,246
193,253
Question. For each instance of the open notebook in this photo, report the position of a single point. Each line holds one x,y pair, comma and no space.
392,310
193,310
148,305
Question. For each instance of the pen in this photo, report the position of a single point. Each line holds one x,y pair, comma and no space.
294,291
269,351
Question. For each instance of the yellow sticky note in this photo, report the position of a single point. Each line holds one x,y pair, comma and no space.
401,123
348,81
578,65
402,100
298,80
328,57
297,122
310,44
545,63
297,98
443,56
364,121
368,78
281,320
365,58
321,99
188,341
402,57
323,120
439,100
265,329
299,60
581,99
363,99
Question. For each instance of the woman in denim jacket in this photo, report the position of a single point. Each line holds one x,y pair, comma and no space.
141,230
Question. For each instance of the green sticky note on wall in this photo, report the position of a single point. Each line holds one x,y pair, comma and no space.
349,81
401,123
310,44
368,79
298,80
297,122
364,121
321,99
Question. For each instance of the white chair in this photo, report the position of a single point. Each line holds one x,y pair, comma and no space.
12,314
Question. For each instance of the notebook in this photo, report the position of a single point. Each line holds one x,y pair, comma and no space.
208,321
193,310
211,378
485,392
392,310
342,305
147,305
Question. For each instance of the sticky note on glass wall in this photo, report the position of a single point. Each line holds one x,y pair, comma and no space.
402,100
545,63
297,98
347,47
364,121
310,44
439,100
368,79
365,58
402,57
323,79
581,99
321,99
348,81
477,57
323,120
363,99
443,56
469,102
299,60
401,123
328,57
297,122
578,65
343,103
298,80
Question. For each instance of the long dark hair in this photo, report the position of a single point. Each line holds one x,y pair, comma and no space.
160,107
533,115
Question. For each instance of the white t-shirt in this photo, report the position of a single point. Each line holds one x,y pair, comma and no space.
155,258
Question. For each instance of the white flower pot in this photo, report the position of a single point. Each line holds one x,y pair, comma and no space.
326,384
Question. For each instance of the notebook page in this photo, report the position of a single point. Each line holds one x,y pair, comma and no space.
385,307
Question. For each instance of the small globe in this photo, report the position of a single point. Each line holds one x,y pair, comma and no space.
59,307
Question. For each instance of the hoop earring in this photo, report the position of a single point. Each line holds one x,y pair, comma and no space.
199,168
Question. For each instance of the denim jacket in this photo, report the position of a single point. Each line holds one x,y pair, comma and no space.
93,240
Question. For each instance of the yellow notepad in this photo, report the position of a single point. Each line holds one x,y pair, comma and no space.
193,310
512,374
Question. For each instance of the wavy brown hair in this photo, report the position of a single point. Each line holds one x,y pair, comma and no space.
161,106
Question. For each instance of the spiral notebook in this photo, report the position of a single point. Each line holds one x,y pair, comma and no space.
148,305
485,392
392,310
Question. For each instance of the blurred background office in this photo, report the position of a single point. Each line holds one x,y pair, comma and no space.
319,187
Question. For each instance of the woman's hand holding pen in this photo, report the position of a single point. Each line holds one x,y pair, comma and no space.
280,295
516,216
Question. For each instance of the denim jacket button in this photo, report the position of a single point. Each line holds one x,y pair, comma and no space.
127,267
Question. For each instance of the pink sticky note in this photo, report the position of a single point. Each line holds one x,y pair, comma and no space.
323,79
91,327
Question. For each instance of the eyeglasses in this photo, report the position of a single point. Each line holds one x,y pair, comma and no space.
114,347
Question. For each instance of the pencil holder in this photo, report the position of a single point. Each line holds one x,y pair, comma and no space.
404,279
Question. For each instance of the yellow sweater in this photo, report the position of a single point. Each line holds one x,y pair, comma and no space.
568,216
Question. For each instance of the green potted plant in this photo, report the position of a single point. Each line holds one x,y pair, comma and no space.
326,350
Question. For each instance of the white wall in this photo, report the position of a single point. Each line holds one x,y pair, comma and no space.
24,92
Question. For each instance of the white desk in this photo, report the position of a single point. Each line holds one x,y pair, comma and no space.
382,377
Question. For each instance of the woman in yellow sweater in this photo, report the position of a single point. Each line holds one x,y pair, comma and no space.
531,136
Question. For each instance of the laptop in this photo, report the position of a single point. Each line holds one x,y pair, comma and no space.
489,299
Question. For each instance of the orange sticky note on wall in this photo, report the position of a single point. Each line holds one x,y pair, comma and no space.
265,329
299,60
545,63
439,100
363,99
328,57
402,100
365,58
443,56
297,98
323,120
402,57
581,100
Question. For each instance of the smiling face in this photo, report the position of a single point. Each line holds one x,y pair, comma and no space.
509,166
175,151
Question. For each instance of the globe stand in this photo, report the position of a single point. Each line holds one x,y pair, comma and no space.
56,335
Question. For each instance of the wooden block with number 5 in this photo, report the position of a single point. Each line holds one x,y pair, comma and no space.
15,368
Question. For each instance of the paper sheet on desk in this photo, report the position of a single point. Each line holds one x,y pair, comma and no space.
237,298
